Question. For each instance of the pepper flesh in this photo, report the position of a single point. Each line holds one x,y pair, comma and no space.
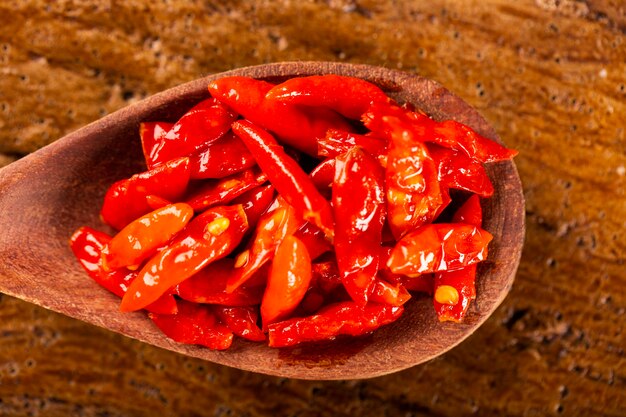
151,135
241,321
226,156
459,171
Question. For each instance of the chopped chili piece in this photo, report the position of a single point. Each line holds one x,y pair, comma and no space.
392,294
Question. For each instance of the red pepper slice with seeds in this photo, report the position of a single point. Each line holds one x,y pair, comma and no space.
359,211
291,182
207,238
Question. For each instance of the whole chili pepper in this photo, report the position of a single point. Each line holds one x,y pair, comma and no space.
346,318
205,123
291,182
337,142
255,202
296,127
241,321
348,96
207,238
126,199
288,281
151,135
439,247
208,286
142,237
457,170
273,227
359,209
87,245
226,156
223,191
194,324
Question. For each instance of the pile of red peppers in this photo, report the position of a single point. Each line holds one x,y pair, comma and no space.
294,213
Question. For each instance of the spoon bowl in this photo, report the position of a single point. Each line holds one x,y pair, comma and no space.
47,195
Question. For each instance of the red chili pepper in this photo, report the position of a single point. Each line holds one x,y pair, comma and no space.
439,247
413,192
455,289
194,324
346,318
347,95
296,127
323,176
126,199
155,202
205,123
273,227
207,238
459,171
291,182
226,156
152,134
142,237
337,142
208,286
241,321
87,245
223,191
314,240
386,293
255,202
288,281
359,209
326,276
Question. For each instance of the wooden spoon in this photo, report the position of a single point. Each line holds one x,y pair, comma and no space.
47,195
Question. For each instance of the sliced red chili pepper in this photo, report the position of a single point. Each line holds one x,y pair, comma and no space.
413,192
226,156
323,176
223,191
255,202
296,127
457,170
87,245
273,227
291,182
314,240
194,324
337,142
287,282
126,199
359,210
347,95
241,321
205,123
439,247
142,237
386,293
151,134
455,289
208,286
207,238
346,318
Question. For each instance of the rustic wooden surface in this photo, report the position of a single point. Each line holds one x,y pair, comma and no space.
548,74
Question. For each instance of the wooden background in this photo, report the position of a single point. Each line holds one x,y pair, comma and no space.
549,74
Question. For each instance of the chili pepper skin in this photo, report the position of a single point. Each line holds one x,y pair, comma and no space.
287,282
205,123
142,237
387,293
457,170
241,321
126,199
322,176
348,96
273,227
255,202
439,247
155,202
470,212
300,129
359,209
207,238
87,245
345,318
314,240
208,286
226,156
337,142
413,191
291,182
151,134
223,191
194,324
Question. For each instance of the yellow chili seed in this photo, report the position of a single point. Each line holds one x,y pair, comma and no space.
242,258
446,294
218,226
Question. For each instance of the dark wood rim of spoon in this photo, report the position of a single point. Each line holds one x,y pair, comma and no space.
45,196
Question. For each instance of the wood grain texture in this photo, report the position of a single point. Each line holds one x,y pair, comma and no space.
549,75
